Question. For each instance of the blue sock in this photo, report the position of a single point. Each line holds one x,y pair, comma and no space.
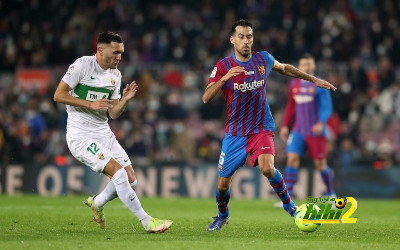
222,203
278,184
291,179
327,177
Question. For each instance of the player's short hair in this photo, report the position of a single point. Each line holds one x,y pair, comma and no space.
108,37
306,56
242,22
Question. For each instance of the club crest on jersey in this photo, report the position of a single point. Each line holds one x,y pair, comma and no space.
100,156
71,70
112,81
261,70
311,90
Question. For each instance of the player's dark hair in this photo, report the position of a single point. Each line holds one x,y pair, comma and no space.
306,56
108,37
242,22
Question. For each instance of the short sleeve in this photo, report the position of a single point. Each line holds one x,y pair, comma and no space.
217,73
117,93
269,59
74,74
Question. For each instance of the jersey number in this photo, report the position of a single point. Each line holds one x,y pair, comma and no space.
93,148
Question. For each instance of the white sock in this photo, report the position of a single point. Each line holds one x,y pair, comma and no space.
133,184
128,196
109,193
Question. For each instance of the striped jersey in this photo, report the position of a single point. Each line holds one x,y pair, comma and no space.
90,82
247,106
307,104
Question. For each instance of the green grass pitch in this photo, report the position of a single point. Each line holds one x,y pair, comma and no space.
32,222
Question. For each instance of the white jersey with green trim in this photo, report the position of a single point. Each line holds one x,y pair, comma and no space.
90,82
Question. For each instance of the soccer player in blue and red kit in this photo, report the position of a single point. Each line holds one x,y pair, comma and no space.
310,108
249,127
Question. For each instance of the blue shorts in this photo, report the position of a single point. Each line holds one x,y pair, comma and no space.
315,145
236,148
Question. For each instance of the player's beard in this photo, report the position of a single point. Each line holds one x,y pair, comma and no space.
111,64
245,54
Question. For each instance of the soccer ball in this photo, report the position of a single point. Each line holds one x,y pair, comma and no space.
307,227
340,203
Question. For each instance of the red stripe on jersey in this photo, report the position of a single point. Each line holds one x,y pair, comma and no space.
260,126
256,102
246,112
261,110
228,110
236,118
315,112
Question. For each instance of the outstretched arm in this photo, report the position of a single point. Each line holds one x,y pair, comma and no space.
290,70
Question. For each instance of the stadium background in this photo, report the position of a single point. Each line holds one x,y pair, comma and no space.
170,49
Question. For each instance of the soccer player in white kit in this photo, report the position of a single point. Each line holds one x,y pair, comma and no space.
90,89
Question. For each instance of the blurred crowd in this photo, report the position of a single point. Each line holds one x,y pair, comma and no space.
170,50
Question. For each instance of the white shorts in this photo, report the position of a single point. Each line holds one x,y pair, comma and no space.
97,152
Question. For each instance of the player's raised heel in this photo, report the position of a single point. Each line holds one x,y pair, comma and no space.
98,213
217,224
158,226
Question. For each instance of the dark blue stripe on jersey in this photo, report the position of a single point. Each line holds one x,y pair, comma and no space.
306,118
263,106
242,114
254,95
313,114
303,109
227,64
231,124
260,100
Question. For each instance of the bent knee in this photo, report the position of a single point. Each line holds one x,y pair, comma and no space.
268,172
293,160
268,169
